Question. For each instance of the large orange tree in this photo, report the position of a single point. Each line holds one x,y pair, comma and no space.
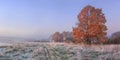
91,27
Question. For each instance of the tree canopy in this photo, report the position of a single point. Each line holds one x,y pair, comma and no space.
91,27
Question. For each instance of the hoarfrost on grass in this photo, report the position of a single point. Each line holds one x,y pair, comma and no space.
60,51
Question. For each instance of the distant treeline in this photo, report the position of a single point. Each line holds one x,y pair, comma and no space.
68,38
90,29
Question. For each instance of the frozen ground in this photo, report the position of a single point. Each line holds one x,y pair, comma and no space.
58,51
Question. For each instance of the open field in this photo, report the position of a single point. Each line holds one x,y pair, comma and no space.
58,51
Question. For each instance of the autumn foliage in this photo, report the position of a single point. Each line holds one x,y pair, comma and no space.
63,37
91,26
57,37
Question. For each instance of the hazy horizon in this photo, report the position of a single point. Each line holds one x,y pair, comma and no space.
41,18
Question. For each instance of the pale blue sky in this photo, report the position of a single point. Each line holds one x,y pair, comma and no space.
40,18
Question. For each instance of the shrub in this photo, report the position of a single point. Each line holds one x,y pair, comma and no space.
114,39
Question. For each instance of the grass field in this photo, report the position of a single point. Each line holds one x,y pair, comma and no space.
59,51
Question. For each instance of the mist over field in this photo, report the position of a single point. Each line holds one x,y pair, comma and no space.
59,30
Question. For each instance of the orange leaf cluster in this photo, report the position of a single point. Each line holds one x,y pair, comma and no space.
91,27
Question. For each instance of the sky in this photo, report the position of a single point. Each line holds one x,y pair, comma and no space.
41,18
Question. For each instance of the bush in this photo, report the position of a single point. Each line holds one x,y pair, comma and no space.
114,39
